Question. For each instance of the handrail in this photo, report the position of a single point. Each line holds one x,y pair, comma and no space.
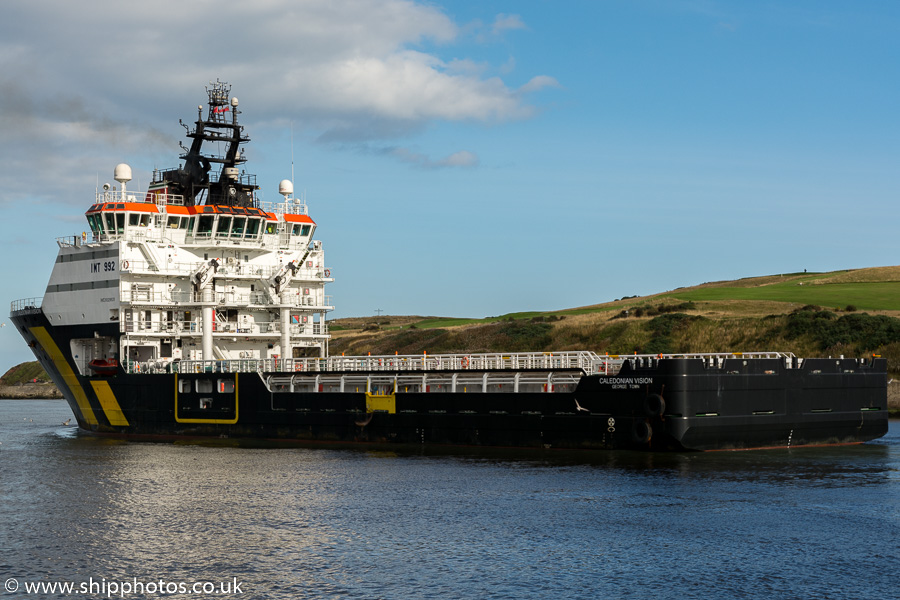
142,197
26,304
586,361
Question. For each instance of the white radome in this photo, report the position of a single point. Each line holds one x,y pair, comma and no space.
122,173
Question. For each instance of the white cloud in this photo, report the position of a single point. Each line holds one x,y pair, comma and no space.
85,79
413,86
505,22
537,83
463,158
460,159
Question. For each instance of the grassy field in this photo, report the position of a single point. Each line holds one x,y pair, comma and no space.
864,296
858,316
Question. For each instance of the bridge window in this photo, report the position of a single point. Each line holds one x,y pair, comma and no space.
96,224
252,227
237,227
133,219
224,225
205,226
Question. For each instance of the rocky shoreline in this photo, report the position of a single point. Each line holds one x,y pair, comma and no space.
29,391
893,398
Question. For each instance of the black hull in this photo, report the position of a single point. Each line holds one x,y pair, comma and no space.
666,404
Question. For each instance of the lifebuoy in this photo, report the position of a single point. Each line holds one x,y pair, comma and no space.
327,272
654,405
298,367
641,432
124,264
465,362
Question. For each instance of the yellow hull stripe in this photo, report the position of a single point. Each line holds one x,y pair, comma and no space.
109,403
212,421
69,377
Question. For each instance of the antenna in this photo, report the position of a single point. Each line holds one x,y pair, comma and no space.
292,151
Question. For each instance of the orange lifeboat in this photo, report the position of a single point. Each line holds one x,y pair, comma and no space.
104,367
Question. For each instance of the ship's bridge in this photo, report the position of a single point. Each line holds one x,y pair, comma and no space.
117,215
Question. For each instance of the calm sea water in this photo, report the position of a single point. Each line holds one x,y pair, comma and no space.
334,523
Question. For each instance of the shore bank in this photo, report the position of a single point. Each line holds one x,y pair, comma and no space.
27,391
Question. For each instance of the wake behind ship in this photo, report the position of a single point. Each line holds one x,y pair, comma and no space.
195,309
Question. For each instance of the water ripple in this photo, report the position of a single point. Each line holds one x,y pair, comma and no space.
321,523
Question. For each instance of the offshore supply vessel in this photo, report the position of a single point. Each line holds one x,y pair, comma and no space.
194,309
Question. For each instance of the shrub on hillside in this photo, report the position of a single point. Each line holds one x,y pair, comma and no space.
857,332
526,336
808,308
671,322
652,311
663,328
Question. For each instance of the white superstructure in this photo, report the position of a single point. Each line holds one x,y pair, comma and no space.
195,282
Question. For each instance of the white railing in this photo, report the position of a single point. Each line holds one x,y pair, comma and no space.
224,300
265,329
237,268
294,206
427,362
434,382
588,362
26,304
114,195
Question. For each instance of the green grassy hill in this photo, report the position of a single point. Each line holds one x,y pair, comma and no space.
829,289
25,373
853,313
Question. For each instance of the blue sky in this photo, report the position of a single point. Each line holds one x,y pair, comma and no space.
473,159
